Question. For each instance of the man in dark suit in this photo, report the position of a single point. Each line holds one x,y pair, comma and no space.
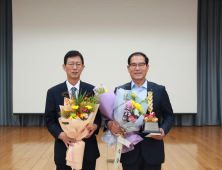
149,153
73,66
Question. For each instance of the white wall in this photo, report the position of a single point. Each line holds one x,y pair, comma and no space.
106,33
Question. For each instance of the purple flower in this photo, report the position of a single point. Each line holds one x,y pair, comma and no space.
124,117
126,112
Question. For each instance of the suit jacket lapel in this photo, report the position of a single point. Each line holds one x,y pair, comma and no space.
149,86
64,88
127,86
82,88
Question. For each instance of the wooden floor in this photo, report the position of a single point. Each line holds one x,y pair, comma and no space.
188,148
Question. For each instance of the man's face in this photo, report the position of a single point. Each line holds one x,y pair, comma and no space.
138,68
73,68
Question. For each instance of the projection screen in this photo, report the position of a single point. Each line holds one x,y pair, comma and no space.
106,33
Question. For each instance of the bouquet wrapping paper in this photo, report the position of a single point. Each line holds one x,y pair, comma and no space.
78,129
129,127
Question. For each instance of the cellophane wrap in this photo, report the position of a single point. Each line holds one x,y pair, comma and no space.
130,128
76,129
107,101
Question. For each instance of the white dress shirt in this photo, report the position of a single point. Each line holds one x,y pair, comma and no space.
69,87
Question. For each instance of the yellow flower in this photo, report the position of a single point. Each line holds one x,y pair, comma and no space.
106,90
76,117
75,107
88,107
67,110
133,103
138,106
70,117
82,115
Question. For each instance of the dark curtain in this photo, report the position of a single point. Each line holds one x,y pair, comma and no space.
209,59
6,73
6,117
209,66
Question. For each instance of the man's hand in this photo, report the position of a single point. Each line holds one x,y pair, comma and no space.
159,137
114,128
67,140
91,130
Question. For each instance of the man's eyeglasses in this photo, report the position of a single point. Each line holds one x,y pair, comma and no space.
140,65
71,65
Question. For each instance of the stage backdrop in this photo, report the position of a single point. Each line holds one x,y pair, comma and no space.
106,33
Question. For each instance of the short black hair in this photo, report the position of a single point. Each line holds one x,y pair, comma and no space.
138,53
73,54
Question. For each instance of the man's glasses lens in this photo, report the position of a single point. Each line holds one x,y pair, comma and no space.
76,64
134,65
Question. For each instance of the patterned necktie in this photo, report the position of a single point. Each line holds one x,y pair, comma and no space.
73,91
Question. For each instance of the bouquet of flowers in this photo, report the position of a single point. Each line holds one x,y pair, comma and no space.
132,110
125,108
77,115
106,101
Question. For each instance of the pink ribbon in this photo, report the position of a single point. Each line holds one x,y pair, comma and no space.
72,156
73,153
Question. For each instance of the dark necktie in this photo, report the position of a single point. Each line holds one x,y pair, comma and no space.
73,91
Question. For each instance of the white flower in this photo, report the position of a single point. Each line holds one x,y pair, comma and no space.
136,112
